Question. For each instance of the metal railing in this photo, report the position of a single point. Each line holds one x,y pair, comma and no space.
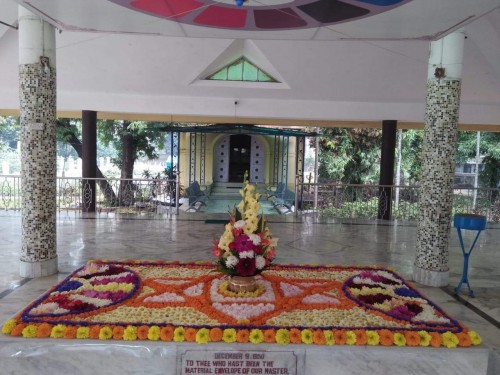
159,196
372,201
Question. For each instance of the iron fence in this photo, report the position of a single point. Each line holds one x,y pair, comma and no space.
372,201
159,196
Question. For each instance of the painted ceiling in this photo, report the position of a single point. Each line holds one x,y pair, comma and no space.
335,60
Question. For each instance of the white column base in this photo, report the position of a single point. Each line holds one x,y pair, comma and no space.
38,269
430,278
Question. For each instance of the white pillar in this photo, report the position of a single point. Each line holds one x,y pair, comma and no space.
37,81
438,160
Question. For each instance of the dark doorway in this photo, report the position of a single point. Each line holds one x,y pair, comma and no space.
239,161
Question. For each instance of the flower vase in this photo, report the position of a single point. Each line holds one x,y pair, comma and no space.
242,284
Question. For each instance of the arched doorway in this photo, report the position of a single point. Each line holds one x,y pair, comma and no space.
240,146
254,162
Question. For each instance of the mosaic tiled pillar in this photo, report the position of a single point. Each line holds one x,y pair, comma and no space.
37,80
438,161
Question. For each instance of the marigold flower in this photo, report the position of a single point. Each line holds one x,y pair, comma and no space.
130,333
412,338
330,339
450,340
319,337
270,336
435,339
8,326
464,339
94,332
295,336
215,334
190,334
118,332
69,332
474,337
18,329
229,335
142,332
44,330
350,338
57,331
167,333
360,337
203,336
340,337
83,333
29,331
399,339
242,335
283,336
306,336
372,338
154,333
179,334
256,336
425,338
105,333
386,337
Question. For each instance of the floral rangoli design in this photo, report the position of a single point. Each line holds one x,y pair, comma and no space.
190,302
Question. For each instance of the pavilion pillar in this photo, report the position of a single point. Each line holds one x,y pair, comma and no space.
37,92
389,128
89,159
438,160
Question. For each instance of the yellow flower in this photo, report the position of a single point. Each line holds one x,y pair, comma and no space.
130,333
372,338
105,333
82,333
179,334
29,331
154,333
306,336
8,326
351,338
330,339
475,338
229,335
425,338
450,340
399,339
57,331
256,336
203,336
283,336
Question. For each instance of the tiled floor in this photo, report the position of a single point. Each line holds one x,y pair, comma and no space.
302,241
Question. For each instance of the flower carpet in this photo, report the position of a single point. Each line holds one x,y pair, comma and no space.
293,304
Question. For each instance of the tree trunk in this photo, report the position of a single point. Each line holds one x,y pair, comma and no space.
127,166
105,187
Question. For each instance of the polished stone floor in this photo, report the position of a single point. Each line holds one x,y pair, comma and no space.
307,240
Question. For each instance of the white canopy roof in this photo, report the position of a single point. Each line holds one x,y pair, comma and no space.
114,59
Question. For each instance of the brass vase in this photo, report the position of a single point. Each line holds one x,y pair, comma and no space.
242,284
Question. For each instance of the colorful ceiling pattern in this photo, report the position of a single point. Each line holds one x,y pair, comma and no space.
261,14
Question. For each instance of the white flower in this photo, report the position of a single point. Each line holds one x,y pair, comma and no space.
239,224
255,238
260,262
231,261
246,254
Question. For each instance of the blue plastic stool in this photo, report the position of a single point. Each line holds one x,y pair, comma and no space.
468,222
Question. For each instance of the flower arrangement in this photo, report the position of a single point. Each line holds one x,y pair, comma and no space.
246,247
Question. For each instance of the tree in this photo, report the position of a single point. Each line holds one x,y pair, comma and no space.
350,155
132,140
489,173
